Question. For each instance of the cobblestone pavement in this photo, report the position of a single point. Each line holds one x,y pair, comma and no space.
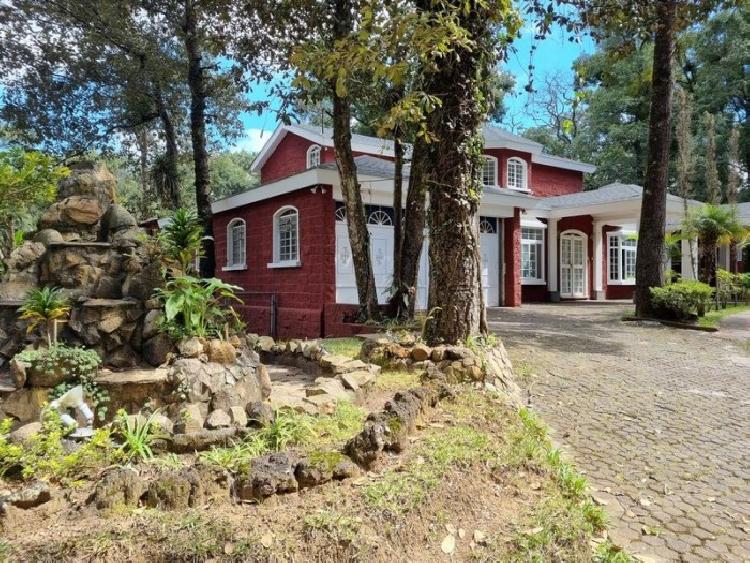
658,419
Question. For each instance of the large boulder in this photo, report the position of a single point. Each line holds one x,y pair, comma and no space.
89,179
115,219
156,349
25,255
269,475
48,236
121,488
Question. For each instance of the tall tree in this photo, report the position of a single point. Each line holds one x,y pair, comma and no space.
685,158
713,188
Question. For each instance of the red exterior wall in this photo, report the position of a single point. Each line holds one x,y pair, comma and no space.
550,181
301,292
290,157
585,224
512,259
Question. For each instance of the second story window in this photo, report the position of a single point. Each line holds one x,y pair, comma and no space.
489,171
516,174
313,156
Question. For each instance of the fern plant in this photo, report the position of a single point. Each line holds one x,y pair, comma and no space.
137,434
45,306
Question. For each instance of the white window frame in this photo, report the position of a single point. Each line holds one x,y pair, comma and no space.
513,160
493,161
312,158
619,279
542,252
277,262
231,263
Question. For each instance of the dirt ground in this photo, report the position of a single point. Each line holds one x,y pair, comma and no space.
476,483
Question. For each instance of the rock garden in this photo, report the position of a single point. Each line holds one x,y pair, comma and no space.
129,385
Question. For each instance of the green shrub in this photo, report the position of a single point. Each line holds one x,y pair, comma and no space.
138,434
81,366
43,455
682,299
180,240
197,307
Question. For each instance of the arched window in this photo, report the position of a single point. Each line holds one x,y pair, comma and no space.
236,243
341,213
516,174
489,171
313,156
379,217
286,236
487,226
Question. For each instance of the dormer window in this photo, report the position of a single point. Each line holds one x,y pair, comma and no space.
313,156
516,178
489,171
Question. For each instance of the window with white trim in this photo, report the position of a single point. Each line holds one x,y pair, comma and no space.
313,156
516,174
286,236
532,255
489,171
622,252
236,237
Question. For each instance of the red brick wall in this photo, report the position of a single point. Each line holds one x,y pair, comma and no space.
290,157
550,181
301,292
512,258
585,224
544,181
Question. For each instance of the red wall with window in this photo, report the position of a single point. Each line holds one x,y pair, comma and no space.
550,181
290,157
301,292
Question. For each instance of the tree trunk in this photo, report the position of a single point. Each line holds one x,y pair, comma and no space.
141,139
404,298
707,261
455,187
196,82
649,272
359,236
398,179
170,195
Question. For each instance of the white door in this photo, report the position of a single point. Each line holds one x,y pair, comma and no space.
573,260
381,255
489,246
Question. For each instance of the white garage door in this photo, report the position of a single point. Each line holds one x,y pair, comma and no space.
381,254
489,246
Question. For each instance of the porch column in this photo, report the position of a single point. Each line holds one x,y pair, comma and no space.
688,266
599,293
552,265
512,258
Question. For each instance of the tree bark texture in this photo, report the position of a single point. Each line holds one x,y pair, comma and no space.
707,261
649,272
170,195
404,298
398,178
359,236
456,304
197,84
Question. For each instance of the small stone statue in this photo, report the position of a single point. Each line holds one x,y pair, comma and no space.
73,399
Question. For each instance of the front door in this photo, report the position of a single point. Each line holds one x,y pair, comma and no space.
489,245
573,259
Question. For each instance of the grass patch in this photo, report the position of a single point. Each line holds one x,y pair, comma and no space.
712,318
393,380
523,370
401,491
347,346
338,528
289,429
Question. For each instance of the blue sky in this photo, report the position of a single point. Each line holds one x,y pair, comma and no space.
554,54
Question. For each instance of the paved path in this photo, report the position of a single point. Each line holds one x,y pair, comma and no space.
658,418
736,326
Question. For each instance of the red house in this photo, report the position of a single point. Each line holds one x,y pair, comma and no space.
542,237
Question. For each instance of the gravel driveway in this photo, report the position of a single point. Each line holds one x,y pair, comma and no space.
658,418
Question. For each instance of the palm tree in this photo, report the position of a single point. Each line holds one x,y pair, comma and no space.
44,305
712,225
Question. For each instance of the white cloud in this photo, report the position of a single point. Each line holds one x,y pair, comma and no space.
253,140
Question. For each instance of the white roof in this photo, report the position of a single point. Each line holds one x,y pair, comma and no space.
494,138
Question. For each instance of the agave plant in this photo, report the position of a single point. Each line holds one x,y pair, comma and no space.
181,240
44,305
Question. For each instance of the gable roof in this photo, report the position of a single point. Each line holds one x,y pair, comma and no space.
494,138
372,166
